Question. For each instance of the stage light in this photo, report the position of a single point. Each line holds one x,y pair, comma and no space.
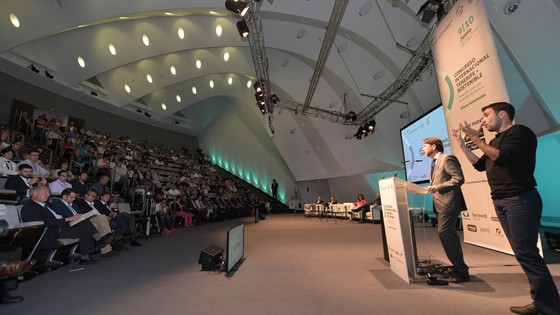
139,111
274,99
350,116
260,96
93,93
430,9
147,114
237,7
243,29
34,69
257,86
49,75
371,126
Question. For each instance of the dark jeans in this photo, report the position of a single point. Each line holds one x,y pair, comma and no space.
363,209
520,217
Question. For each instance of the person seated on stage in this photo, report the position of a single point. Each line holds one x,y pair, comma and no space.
58,227
377,201
182,211
7,166
361,206
60,184
23,182
162,211
123,223
11,267
331,202
35,163
67,207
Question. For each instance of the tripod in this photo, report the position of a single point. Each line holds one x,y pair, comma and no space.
148,211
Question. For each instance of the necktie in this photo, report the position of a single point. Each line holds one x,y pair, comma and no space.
72,209
432,168
8,165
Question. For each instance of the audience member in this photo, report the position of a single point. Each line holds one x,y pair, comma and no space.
23,182
7,166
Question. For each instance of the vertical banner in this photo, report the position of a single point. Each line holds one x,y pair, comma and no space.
470,77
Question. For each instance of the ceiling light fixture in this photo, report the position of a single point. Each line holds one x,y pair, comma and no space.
198,63
81,62
34,69
193,90
249,83
211,83
226,56
178,98
112,49
181,33
146,40
173,70
163,106
127,88
149,78
14,19
219,30
230,80
213,12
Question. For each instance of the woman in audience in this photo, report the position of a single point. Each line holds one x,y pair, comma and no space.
162,212
181,210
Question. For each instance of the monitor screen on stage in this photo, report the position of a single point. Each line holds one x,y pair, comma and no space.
431,124
235,246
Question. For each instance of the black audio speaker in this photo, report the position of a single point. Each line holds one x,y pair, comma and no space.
211,257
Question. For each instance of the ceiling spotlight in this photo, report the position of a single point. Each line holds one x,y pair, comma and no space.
350,116
147,114
430,9
274,99
257,86
49,75
371,126
139,111
243,29
34,69
237,7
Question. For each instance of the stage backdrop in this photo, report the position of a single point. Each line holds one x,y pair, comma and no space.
469,77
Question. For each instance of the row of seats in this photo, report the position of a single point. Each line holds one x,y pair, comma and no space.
341,210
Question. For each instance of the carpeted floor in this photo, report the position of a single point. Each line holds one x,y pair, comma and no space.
293,265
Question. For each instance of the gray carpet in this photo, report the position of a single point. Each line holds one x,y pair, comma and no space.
293,265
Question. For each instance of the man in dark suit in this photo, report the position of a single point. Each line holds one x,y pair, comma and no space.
58,227
123,223
65,206
446,178
23,182
79,184
274,188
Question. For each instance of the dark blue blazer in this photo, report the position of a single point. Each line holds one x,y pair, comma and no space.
60,207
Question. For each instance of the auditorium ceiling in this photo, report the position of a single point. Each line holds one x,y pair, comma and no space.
180,63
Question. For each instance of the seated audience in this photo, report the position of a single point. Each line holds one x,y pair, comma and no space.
60,184
23,182
162,212
59,227
7,166
36,165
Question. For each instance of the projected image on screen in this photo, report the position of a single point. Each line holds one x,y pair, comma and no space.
235,247
432,124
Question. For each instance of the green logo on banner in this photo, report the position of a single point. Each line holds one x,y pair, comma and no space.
451,92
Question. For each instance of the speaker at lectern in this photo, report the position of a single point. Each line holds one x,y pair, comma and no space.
398,225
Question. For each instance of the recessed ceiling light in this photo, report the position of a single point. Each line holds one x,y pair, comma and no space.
226,56
213,12
81,62
219,30
112,49
181,32
14,19
169,13
193,90
211,83
123,18
127,88
230,80
149,78
198,63
146,40
178,98
163,106
173,70
249,83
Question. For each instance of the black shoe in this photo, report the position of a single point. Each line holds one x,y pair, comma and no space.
135,243
89,261
528,309
106,240
118,238
459,277
9,299
110,254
